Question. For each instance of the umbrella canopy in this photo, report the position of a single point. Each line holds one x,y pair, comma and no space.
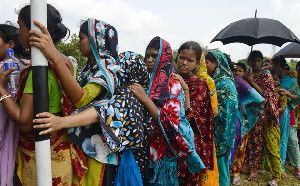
290,51
253,31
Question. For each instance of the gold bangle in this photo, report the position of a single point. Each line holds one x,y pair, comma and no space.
4,97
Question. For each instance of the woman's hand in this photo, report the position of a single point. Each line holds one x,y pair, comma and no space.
43,41
280,110
139,92
182,82
249,76
49,122
284,92
4,76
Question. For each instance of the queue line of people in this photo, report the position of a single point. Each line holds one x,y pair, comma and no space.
129,120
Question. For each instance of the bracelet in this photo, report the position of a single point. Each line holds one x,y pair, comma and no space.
188,111
189,114
4,97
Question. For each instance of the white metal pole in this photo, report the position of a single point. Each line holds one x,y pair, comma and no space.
40,96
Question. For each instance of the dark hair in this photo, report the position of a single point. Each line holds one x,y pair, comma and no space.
254,55
84,28
242,65
194,46
209,56
232,65
275,73
154,43
11,33
281,62
55,26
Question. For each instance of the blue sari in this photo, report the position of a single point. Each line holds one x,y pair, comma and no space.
228,105
289,83
227,116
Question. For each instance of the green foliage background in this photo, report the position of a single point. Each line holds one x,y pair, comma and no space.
71,48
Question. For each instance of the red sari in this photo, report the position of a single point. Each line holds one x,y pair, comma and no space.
201,120
269,116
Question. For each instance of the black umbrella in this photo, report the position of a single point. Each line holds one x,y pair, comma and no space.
290,51
253,31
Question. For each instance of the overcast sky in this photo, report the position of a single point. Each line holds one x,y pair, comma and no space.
138,21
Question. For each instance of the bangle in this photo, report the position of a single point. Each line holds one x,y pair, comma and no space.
4,97
188,113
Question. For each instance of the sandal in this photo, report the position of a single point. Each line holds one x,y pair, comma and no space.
236,180
272,183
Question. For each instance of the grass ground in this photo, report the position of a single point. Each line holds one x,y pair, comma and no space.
264,177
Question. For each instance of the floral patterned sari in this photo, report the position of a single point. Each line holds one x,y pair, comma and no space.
172,148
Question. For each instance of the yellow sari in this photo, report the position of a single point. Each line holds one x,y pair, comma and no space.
202,73
209,178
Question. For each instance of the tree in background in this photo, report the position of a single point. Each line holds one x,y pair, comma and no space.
292,63
70,48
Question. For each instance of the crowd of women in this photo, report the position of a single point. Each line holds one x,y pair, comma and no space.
133,120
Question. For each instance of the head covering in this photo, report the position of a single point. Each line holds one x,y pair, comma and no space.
223,70
103,39
133,69
163,68
225,121
172,135
121,120
202,73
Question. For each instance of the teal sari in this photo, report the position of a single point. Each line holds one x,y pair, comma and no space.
225,120
289,83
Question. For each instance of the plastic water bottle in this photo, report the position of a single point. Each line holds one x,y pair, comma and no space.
12,62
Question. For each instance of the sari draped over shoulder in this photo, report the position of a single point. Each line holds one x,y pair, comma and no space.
202,73
211,174
250,108
103,40
124,120
172,138
270,112
202,121
266,131
250,105
290,83
228,105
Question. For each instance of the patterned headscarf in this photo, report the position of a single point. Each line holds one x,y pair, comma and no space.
202,73
133,69
103,39
171,134
163,68
223,69
225,121
122,119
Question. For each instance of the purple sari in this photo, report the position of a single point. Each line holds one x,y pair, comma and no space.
9,137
